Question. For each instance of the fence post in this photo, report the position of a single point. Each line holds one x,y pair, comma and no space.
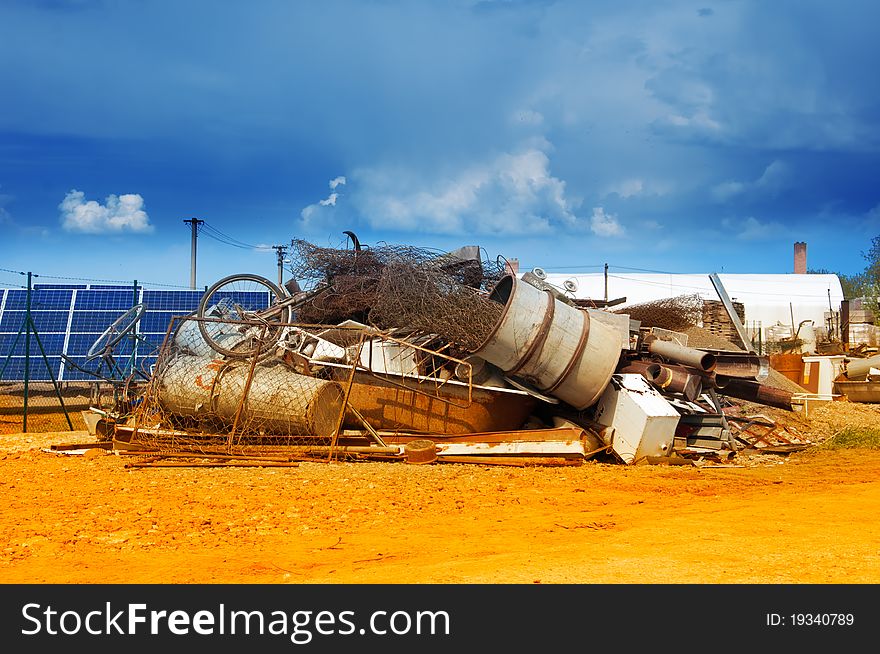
27,352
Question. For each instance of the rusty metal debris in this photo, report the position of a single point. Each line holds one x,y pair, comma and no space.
418,356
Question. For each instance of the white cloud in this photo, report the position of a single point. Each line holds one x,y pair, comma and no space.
514,193
630,188
118,214
752,229
605,224
775,178
726,190
314,212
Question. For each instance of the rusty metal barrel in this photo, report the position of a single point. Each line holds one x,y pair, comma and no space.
550,344
278,400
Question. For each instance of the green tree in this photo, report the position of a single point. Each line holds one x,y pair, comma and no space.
865,284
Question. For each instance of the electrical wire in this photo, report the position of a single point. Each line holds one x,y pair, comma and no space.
213,233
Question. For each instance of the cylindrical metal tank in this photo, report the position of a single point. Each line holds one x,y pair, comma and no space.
279,401
550,344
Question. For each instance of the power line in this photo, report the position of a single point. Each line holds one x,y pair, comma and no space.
221,237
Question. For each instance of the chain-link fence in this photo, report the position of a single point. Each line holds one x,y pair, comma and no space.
309,390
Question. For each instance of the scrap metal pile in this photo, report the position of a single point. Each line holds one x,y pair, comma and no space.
404,354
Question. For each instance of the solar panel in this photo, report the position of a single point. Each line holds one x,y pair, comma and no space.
177,301
52,344
96,300
40,287
70,317
14,369
40,300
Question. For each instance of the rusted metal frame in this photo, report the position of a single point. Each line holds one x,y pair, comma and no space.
429,351
731,440
344,449
548,434
421,392
212,464
537,343
605,448
151,389
576,356
388,377
245,391
375,434
224,457
346,396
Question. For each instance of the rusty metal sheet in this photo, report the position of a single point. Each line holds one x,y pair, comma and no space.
544,448
388,406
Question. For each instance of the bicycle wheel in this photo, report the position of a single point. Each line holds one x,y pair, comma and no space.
245,303
114,333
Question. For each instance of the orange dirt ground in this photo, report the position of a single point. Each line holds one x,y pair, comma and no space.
807,518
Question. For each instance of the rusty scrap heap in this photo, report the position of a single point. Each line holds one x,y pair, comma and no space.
398,353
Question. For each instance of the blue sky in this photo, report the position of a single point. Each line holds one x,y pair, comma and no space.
702,136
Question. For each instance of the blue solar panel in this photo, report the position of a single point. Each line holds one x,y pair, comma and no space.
105,300
52,344
156,321
178,301
79,344
111,287
14,369
40,287
40,300
96,308
92,322
44,321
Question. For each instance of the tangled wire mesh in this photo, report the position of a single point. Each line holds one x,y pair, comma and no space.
674,313
400,286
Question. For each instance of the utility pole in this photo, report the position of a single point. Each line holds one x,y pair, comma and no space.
606,282
280,250
194,222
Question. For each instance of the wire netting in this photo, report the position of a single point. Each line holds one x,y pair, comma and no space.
315,390
674,313
399,286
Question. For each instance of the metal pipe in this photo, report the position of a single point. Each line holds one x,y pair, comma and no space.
688,356
689,384
652,371
751,391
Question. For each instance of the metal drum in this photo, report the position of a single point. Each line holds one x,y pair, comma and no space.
550,344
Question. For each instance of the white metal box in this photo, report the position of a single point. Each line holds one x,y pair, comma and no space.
643,423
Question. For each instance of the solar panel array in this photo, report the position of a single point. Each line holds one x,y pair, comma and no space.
69,319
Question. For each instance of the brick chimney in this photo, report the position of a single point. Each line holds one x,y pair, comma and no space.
513,266
800,258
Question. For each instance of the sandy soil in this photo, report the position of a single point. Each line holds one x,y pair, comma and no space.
806,518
